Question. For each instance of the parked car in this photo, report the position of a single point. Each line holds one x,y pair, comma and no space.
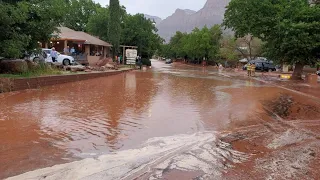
261,65
318,72
168,61
45,53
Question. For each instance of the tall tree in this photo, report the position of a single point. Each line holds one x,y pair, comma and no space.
98,23
141,32
114,30
228,49
78,12
24,23
290,29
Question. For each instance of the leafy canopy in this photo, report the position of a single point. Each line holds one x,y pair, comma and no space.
290,29
24,23
198,44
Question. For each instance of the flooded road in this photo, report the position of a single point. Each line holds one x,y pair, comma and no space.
168,122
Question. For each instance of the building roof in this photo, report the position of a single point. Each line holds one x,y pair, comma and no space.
72,35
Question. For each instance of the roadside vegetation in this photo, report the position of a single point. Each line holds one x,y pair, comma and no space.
286,32
289,29
35,71
25,23
200,44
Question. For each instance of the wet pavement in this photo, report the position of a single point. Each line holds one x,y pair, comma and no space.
168,122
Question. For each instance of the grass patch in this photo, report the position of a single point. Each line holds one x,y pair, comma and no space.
40,70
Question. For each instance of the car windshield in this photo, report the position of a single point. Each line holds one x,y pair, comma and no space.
48,51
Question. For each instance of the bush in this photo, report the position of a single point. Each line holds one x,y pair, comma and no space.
146,62
42,69
29,70
13,66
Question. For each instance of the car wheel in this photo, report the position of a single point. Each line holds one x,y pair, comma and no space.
36,60
66,62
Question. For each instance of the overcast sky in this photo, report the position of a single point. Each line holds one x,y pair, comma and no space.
160,8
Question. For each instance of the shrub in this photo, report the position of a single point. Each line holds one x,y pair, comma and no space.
13,66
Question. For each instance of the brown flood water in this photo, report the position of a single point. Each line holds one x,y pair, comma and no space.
63,123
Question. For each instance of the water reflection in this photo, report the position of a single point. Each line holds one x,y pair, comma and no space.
86,119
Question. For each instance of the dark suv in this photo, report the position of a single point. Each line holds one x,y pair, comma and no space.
265,66
262,65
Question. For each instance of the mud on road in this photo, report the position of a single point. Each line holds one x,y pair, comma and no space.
169,122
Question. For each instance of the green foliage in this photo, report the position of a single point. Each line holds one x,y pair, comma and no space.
98,23
141,32
39,70
78,12
198,44
136,30
114,30
24,23
228,49
290,29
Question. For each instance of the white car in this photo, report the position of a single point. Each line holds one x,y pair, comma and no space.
63,59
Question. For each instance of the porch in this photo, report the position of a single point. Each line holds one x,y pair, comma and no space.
86,49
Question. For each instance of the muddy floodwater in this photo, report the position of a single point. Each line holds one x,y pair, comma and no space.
168,122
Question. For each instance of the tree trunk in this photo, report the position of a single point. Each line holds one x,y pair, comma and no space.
297,73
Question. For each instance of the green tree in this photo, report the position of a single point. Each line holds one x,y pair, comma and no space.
141,32
98,23
114,30
176,43
290,29
24,23
78,12
198,44
215,39
228,49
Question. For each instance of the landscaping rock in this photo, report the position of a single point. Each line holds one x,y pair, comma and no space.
75,68
13,66
109,66
103,62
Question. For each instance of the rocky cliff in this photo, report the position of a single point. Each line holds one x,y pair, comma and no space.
186,20
156,19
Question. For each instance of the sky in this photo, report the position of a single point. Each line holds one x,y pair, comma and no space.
160,8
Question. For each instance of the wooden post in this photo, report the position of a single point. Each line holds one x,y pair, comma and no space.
87,50
65,44
124,54
105,51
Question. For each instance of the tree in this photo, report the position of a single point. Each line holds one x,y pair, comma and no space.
198,45
176,43
24,23
98,24
114,30
249,46
290,29
141,32
228,49
216,36
78,12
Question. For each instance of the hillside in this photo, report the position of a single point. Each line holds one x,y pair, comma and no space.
186,20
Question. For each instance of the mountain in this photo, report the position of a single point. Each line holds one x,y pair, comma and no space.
156,19
185,20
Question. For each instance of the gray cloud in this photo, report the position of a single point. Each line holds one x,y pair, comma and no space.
161,8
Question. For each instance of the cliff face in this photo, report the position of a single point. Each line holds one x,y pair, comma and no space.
186,20
156,19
